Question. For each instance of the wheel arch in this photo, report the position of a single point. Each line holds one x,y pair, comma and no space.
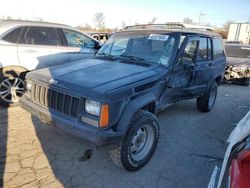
146,102
13,70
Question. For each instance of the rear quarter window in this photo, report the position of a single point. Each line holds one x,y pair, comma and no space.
217,48
13,35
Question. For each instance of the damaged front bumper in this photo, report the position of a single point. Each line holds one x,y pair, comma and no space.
106,137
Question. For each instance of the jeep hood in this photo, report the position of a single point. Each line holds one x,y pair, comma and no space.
94,75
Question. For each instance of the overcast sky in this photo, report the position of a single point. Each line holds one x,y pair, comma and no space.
76,12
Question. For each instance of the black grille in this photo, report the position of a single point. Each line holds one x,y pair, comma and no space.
55,100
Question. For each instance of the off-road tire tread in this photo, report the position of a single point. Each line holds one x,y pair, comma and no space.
202,102
116,153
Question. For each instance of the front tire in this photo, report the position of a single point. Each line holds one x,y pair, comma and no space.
11,89
139,143
206,102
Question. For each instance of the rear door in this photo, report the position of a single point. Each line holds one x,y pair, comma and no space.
8,48
204,66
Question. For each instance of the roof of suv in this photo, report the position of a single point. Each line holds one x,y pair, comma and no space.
5,25
172,27
187,30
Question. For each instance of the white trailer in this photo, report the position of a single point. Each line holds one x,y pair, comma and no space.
239,32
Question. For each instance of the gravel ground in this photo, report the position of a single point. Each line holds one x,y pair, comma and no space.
191,144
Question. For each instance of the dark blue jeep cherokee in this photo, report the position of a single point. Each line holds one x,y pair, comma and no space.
112,98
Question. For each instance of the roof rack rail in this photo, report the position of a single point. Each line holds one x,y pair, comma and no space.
156,26
169,25
200,28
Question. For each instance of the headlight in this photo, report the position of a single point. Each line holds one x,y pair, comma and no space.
29,86
92,107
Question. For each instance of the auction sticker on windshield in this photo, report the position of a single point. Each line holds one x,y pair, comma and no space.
158,37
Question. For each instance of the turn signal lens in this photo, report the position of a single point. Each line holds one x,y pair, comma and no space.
104,118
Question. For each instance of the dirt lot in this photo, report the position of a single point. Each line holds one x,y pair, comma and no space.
191,144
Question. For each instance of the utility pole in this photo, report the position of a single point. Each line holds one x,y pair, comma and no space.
200,16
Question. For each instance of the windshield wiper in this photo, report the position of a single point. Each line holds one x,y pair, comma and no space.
136,60
107,55
133,57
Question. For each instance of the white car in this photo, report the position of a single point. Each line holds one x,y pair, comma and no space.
28,45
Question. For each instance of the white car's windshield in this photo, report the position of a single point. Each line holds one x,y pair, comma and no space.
150,47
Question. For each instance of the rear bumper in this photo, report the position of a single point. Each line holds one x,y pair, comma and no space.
73,126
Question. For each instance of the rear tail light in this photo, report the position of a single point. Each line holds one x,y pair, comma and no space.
244,163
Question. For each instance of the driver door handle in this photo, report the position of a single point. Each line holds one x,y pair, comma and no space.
29,51
210,64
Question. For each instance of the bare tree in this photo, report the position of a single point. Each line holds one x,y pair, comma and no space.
153,20
227,25
99,20
40,19
124,24
9,18
85,27
188,20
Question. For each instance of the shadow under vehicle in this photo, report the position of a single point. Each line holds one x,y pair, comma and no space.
112,99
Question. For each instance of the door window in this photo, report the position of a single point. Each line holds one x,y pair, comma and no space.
189,52
204,50
76,39
13,35
41,36
218,48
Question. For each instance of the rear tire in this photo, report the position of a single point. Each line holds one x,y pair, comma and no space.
206,102
139,143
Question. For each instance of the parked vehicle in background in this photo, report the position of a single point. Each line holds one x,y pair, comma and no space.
112,99
238,64
102,37
235,171
234,42
28,45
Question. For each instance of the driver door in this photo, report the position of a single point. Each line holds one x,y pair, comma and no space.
182,75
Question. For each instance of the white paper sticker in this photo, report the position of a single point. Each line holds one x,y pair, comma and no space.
158,37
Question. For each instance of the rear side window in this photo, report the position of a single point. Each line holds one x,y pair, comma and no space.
204,50
218,48
13,35
41,36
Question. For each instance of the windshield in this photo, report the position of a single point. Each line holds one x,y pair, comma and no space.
141,47
239,51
